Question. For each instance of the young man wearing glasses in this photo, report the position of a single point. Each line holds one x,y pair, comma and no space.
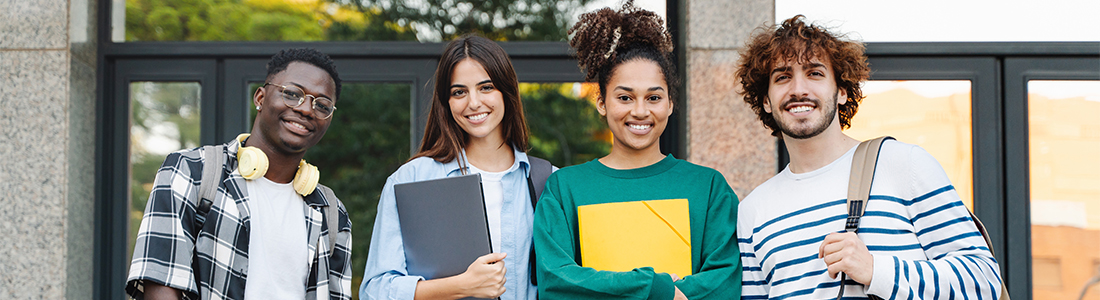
915,241
257,225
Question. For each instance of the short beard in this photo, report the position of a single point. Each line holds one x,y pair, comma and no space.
813,130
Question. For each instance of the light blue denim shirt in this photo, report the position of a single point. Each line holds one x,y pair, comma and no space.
386,275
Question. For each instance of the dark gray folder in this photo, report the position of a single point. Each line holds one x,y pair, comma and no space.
443,225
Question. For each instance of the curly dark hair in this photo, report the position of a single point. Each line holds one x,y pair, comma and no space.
794,39
605,39
281,60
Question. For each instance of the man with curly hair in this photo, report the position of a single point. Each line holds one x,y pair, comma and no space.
248,219
915,239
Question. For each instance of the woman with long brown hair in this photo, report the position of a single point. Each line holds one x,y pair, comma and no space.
628,53
475,125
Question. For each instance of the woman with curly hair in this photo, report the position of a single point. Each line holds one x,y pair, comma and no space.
628,53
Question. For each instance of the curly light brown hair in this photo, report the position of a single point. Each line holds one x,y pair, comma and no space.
794,39
606,38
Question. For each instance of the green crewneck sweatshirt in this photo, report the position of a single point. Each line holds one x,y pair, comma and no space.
712,206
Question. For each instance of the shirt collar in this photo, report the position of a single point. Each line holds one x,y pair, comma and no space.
453,169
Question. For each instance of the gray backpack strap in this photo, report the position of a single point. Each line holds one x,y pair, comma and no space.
536,182
213,159
537,176
332,216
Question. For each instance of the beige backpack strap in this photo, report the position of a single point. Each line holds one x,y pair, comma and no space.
859,188
859,184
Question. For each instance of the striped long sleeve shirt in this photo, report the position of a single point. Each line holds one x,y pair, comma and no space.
916,228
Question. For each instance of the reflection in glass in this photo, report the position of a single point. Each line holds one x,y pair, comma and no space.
935,115
1064,174
164,117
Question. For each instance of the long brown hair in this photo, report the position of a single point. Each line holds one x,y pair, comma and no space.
443,139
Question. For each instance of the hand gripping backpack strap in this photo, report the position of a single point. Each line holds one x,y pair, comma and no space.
213,159
536,182
859,188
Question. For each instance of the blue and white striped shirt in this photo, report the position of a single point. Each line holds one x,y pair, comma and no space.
916,228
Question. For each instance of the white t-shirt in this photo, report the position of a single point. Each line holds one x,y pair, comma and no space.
494,200
278,258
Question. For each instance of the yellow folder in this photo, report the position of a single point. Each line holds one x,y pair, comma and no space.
626,235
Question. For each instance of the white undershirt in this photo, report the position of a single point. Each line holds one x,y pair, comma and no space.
278,258
494,200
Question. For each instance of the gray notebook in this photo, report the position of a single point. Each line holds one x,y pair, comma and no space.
443,225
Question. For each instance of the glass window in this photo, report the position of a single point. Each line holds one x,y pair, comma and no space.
951,21
164,118
336,20
565,127
1064,174
933,114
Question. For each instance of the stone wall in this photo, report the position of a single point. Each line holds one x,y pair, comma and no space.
723,132
47,148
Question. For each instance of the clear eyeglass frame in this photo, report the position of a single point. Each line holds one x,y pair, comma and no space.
323,107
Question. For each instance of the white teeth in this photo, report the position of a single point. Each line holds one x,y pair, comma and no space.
296,125
478,117
639,127
798,109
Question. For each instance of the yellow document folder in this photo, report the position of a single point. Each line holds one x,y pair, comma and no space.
626,235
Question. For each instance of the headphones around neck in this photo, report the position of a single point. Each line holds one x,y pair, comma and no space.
252,163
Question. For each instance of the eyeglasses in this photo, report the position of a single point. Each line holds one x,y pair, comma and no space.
292,96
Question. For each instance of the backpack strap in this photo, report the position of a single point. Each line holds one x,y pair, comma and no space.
536,177
859,189
859,184
536,182
332,215
213,159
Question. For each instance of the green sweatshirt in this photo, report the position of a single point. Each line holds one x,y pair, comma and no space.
712,206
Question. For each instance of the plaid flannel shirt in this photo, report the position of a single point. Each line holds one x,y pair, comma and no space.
211,262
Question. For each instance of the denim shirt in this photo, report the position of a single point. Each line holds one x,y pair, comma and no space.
386,275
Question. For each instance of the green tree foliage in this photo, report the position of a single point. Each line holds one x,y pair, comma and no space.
565,129
442,20
257,20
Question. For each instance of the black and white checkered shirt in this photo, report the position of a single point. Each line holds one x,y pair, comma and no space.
211,262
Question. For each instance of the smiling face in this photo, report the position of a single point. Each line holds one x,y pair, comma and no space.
292,130
476,105
636,105
803,98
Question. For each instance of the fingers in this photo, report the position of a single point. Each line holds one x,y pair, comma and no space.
846,253
491,258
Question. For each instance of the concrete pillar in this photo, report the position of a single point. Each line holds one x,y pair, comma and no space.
723,132
47,148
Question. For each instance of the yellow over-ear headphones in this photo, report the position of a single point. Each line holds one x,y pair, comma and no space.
252,164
